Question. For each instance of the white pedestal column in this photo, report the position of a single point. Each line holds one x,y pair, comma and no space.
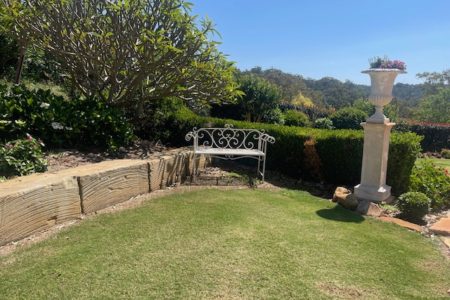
374,165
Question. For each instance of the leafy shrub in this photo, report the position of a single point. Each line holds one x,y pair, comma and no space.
274,116
59,122
313,112
22,157
348,118
445,153
323,123
413,206
433,181
259,97
339,151
364,105
403,151
41,66
296,118
436,136
150,122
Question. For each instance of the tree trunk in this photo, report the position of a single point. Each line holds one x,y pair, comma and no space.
20,60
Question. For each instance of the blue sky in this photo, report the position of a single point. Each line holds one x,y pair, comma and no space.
319,38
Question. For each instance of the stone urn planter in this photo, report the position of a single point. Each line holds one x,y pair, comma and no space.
377,132
382,82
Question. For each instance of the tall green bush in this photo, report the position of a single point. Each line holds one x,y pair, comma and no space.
348,118
323,123
294,117
339,151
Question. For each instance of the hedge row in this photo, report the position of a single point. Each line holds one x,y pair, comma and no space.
333,156
435,136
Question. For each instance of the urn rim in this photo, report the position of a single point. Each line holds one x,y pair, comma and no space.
398,71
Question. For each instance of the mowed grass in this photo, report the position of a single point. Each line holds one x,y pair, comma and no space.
439,162
229,244
443,163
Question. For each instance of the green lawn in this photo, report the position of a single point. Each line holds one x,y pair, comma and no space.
441,162
229,244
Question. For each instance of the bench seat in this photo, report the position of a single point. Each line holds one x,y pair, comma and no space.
228,151
230,143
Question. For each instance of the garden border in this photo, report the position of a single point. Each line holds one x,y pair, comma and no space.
38,202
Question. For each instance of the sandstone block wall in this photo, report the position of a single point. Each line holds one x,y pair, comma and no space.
111,182
28,206
36,202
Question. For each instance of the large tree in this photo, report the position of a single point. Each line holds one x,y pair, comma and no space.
124,50
435,108
435,81
260,97
13,13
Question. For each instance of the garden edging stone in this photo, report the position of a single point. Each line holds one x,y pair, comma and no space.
36,202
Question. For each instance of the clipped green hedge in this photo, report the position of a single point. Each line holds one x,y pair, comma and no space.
340,151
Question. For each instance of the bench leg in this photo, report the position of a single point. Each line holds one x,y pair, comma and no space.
258,172
264,167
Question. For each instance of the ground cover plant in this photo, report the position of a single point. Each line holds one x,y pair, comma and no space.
229,244
22,157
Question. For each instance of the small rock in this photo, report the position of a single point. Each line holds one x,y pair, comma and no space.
122,150
446,241
345,198
369,208
340,192
350,202
390,200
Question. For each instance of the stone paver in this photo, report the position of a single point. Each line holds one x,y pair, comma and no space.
402,223
446,241
442,226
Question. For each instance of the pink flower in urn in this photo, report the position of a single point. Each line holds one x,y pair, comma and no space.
385,63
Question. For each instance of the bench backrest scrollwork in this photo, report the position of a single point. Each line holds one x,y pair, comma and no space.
230,138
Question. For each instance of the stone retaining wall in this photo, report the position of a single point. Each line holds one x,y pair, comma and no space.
36,202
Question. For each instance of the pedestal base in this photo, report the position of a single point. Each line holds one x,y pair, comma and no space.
372,193
374,165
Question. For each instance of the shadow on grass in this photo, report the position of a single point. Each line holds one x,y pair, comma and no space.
275,178
339,214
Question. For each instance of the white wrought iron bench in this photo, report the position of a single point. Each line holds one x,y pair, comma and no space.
231,143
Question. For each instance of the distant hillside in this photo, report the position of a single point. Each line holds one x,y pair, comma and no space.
336,93
329,91
410,93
